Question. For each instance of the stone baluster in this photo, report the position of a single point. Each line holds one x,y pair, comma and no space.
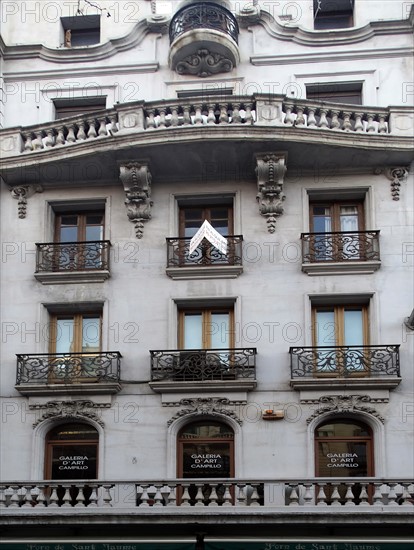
158,498
311,117
50,138
71,138
107,497
308,497
186,116
53,499
150,119
2,496
144,496
211,117
14,497
335,124
93,499
323,121
347,124
370,124
294,497
41,498
359,127
335,497
199,498
213,496
300,119
227,498
382,126
92,129
241,494
364,495
224,117
289,118
198,119
162,123
378,497
248,117
66,500
392,495
172,497
102,127
349,495
38,141
60,138
321,496
174,117
185,499
236,117
406,496
81,135
27,498
28,145
113,121
80,499
254,497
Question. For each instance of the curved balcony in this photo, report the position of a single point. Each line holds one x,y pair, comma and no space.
203,38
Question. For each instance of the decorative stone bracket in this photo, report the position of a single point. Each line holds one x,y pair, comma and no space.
271,169
340,404
21,194
136,179
205,406
397,175
68,410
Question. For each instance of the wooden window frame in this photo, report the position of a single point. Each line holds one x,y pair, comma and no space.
339,311
78,329
206,215
206,313
335,207
81,225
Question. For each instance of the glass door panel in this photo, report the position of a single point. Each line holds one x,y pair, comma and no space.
342,458
325,335
193,331
73,461
206,459
354,336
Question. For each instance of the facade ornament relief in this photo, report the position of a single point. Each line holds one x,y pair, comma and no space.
210,406
21,194
271,169
340,404
136,179
397,175
69,409
204,63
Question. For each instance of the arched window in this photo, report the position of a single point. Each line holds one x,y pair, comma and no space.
206,449
344,448
72,452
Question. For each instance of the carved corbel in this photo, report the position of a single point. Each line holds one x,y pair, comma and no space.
21,194
136,179
271,169
397,175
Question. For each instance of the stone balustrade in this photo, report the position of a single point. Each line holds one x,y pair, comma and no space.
341,494
208,111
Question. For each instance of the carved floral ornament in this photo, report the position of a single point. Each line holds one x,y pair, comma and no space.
201,406
21,194
136,179
56,410
397,175
204,63
271,169
340,404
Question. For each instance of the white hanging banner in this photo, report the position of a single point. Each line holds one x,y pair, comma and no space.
208,232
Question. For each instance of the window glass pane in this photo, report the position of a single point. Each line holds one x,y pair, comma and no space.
342,429
91,335
74,461
65,336
94,233
354,333
193,331
220,331
206,430
72,431
349,218
68,229
208,459
322,222
342,458
325,328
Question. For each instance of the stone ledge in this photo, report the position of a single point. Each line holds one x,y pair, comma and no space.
205,272
344,383
207,386
72,277
85,388
341,268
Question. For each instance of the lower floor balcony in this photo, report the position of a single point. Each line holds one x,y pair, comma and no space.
342,495
203,369
68,373
340,366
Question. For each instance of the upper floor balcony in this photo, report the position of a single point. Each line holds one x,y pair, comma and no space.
203,39
69,373
220,131
82,261
345,366
340,252
203,369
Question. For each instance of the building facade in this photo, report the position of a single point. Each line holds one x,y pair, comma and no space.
245,383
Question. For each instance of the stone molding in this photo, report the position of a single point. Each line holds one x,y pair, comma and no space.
271,169
203,63
340,404
136,179
69,409
204,406
397,176
21,194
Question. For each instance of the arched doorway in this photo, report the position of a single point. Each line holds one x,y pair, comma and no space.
344,449
71,452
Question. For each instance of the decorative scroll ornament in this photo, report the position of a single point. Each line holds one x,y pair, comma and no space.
204,63
397,176
271,169
22,193
69,409
136,179
210,406
340,404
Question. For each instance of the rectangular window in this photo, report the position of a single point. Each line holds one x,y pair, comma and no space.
338,92
78,106
192,217
82,30
206,328
333,14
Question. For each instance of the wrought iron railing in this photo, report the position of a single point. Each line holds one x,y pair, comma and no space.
203,15
178,254
72,256
345,361
203,364
340,246
68,368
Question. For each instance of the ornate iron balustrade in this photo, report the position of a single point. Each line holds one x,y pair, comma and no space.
204,15
340,246
205,254
72,256
345,361
203,364
68,368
